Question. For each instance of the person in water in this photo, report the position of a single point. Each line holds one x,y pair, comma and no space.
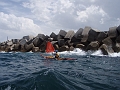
57,56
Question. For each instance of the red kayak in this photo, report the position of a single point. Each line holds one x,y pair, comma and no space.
51,57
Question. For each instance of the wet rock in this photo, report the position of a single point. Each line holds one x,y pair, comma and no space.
64,48
93,45
35,49
81,46
106,49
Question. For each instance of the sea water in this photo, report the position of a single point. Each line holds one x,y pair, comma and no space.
30,71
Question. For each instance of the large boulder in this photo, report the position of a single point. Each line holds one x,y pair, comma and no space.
85,34
101,36
29,47
23,42
78,34
81,46
92,35
64,48
17,47
9,43
61,42
107,41
29,37
118,29
15,41
118,39
41,36
62,33
35,49
112,33
69,35
54,36
37,41
106,49
93,45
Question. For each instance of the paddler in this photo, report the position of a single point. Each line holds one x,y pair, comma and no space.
57,56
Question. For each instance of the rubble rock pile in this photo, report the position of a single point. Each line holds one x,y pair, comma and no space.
85,39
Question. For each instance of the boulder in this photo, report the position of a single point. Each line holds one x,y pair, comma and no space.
92,35
23,42
29,47
62,33
29,37
69,35
35,49
81,46
63,48
2,48
93,45
54,36
56,46
118,39
61,42
8,49
78,34
9,43
101,36
118,29
17,47
41,36
71,48
15,41
42,47
112,33
85,34
106,49
107,41
37,41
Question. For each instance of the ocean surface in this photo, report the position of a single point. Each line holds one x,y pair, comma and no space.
29,71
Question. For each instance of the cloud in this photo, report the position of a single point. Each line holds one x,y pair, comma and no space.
16,27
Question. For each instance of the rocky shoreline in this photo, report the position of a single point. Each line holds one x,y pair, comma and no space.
85,39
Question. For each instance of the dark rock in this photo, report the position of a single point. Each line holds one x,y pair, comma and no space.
29,37
61,42
112,32
69,35
118,39
92,35
23,42
93,45
118,29
107,41
78,34
15,41
29,47
81,46
62,33
54,36
106,49
37,41
41,36
64,48
85,34
35,49
101,36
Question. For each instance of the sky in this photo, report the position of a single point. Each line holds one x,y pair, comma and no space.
20,18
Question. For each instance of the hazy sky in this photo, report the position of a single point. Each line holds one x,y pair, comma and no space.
19,18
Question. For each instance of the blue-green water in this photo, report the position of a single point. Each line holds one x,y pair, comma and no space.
29,71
